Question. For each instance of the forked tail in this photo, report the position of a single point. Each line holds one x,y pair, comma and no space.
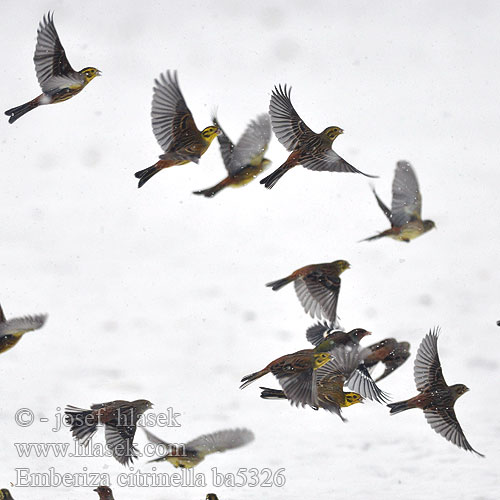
253,376
398,407
275,176
210,192
276,285
18,111
83,423
268,393
146,174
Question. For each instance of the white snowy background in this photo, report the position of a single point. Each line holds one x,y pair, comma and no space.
159,294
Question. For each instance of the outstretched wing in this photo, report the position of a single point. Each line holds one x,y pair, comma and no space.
221,441
444,422
328,160
362,382
120,441
173,123
427,371
253,144
51,64
300,388
318,332
288,126
406,197
225,145
319,295
19,326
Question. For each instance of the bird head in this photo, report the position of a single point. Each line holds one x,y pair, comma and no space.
428,225
143,405
331,133
351,398
89,73
358,333
210,133
339,266
104,492
458,390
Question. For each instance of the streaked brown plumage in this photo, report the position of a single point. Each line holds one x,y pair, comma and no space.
405,215
104,493
120,422
296,373
312,151
245,161
58,80
12,330
389,352
317,287
174,128
190,454
436,398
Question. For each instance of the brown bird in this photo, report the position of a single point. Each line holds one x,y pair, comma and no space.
331,379
436,398
326,338
405,215
296,373
5,494
211,496
317,287
245,161
389,352
191,454
311,150
104,493
12,330
174,128
120,422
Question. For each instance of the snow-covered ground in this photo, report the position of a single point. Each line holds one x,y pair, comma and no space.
159,294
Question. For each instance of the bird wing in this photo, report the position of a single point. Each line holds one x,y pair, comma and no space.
395,359
253,143
120,441
155,440
361,381
427,371
444,421
328,160
406,197
300,388
288,126
50,58
318,332
226,147
220,441
383,207
173,123
16,326
2,315
319,294
344,361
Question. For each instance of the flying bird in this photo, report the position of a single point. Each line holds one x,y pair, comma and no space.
190,454
317,286
405,214
296,373
120,423
13,329
174,128
312,151
436,398
58,80
245,161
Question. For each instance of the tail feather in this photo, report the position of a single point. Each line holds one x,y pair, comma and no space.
18,111
83,423
371,238
398,407
146,174
276,285
210,192
275,176
247,380
268,393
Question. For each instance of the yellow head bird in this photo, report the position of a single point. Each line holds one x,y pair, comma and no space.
174,128
245,160
12,330
59,81
191,454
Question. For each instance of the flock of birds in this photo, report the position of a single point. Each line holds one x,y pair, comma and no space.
314,377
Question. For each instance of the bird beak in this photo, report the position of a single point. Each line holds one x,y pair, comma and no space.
341,131
368,333
219,131
99,73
